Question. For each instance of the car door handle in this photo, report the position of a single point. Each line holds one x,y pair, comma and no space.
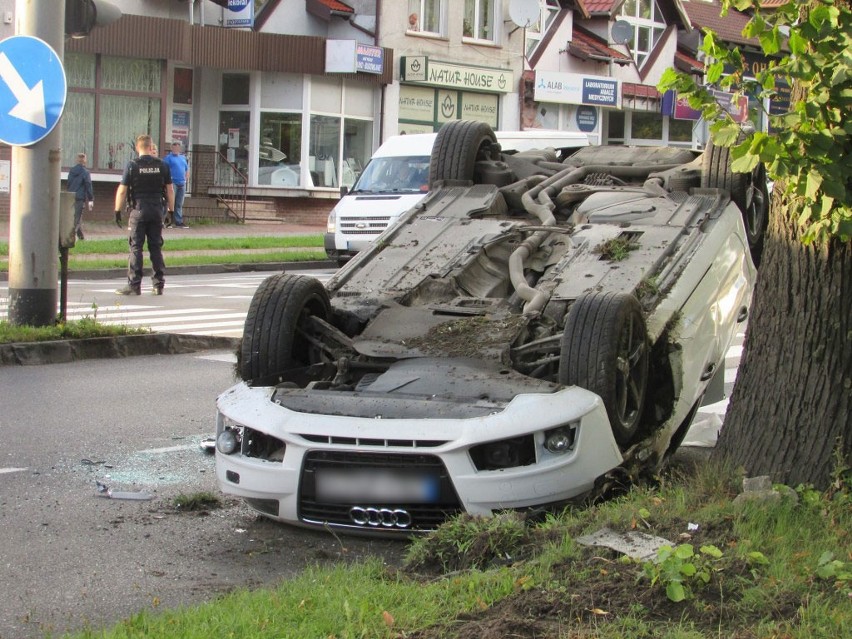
743,316
708,372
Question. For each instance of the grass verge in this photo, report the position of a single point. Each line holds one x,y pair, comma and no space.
780,569
175,259
86,327
93,247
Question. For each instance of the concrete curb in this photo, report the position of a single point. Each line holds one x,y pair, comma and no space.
64,351
204,269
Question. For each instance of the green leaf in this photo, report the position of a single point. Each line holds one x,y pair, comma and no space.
687,569
711,551
756,557
770,41
814,181
684,551
675,592
796,43
644,513
714,71
745,164
825,558
725,133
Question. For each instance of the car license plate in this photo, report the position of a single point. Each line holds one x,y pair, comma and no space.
375,486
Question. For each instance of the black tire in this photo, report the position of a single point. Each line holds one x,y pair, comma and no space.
458,146
272,342
605,350
749,192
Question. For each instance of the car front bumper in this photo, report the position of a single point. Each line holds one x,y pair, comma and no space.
285,456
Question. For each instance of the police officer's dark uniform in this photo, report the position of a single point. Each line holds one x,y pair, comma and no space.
146,178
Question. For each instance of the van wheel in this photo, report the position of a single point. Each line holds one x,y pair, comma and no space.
605,350
458,146
749,191
277,327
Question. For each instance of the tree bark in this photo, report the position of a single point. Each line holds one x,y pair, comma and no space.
791,408
790,414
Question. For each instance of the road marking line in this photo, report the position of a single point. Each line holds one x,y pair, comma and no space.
229,358
167,449
176,322
6,471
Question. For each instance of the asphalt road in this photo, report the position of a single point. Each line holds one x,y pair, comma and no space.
71,559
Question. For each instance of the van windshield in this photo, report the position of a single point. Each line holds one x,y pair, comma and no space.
394,175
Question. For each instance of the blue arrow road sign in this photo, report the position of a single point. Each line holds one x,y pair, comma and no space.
32,90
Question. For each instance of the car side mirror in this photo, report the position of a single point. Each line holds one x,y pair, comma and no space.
344,191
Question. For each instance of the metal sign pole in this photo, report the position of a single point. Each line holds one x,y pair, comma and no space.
34,218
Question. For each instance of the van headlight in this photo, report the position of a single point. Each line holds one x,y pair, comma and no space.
331,225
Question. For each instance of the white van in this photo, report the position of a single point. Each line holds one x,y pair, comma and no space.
397,178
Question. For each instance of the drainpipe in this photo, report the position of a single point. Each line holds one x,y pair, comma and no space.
191,12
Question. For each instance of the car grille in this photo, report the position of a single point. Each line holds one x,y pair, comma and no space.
424,516
363,225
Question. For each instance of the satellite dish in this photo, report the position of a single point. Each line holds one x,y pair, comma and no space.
524,12
621,32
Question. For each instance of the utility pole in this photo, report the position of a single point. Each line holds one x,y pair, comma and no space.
34,218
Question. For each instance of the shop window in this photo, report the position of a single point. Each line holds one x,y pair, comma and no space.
646,125
78,128
535,31
478,22
426,16
126,95
324,150
680,130
233,145
235,88
357,149
648,27
280,149
615,127
121,119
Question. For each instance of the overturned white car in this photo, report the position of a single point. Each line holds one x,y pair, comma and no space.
534,328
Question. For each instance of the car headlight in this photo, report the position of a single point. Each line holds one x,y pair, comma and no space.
331,225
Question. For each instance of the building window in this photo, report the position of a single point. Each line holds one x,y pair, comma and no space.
280,149
680,130
235,88
646,125
324,150
648,27
549,9
125,95
357,149
426,16
233,144
478,22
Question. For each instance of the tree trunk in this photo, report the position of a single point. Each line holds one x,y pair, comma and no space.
791,408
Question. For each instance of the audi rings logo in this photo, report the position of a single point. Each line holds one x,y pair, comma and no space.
380,517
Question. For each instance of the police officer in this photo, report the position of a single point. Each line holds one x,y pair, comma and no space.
146,178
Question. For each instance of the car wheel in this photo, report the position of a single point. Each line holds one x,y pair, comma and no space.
276,328
458,146
749,191
605,350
